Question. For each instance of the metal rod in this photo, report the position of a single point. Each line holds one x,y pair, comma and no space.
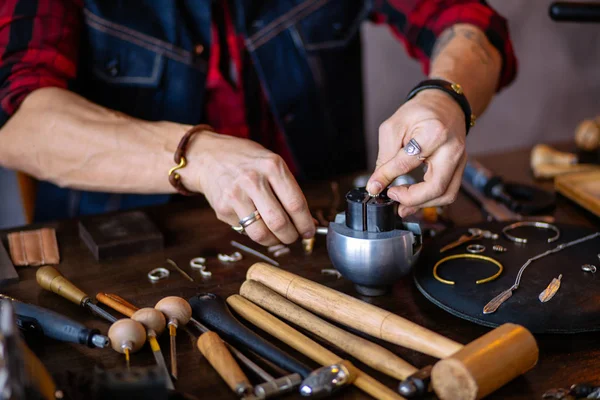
254,253
172,337
182,272
99,312
160,360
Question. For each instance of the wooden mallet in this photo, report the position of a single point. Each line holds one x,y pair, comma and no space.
466,372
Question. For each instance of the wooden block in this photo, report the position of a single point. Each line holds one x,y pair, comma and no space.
8,273
583,188
121,235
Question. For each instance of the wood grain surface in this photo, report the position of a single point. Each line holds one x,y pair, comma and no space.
191,230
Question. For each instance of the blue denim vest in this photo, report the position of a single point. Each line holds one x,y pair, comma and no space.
138,57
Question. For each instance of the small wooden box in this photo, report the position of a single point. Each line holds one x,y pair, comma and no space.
581,187
120,235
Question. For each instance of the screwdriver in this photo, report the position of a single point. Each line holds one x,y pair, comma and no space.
55,325
50,279
152,319
127,336
178,311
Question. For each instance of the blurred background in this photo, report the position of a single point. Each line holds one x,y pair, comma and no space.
557,86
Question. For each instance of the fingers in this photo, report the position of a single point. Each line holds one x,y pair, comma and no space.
440,172
448,197
258,230
402,163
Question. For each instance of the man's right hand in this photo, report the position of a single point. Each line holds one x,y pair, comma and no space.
238,177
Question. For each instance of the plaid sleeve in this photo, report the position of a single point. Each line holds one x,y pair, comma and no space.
418,23
38,48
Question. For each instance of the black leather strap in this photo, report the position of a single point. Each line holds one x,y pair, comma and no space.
454,90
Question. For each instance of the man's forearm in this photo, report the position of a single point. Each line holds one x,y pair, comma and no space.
58,136
462,54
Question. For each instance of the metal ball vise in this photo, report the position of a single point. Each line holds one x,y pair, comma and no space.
370,244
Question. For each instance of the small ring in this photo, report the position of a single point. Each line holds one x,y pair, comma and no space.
471,256
475,248
158,273
412,148
198,263
534,224
250,219
589,268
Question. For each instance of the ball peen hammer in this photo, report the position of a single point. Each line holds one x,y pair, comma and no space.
466,372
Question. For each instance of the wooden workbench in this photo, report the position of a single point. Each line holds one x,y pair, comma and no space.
191,230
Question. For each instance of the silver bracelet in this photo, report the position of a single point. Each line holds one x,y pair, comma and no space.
534,224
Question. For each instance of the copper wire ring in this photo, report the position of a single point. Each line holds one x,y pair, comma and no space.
471,256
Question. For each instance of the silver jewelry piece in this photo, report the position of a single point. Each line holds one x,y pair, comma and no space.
239,229
250,250
589,268
331,271
158,273
499,249
199,263
497,301
534,224
274,248
250,219
475,248
237,256
412,148
282,251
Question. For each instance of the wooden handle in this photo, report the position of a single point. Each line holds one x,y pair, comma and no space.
543,154
305,345
213,348
373,355
115,305
127,331
486,364
545,171
352,312
50,279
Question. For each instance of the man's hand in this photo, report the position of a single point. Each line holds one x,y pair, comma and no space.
437,123
239,176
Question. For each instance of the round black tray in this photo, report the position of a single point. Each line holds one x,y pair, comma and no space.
574,308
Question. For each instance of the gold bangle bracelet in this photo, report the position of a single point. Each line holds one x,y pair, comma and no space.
471,256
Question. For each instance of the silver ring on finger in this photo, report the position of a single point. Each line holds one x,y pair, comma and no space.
239,229
250,219
412,148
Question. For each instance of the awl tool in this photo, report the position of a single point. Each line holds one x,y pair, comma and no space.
127,336
177,311
55,325
50,279
153,320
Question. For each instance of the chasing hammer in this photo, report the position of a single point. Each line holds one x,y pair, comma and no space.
467,372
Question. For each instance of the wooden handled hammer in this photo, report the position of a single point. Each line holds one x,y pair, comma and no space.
466,372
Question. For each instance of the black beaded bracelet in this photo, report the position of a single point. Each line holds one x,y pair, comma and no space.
454,90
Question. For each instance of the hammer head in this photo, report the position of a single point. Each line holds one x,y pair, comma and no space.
486,364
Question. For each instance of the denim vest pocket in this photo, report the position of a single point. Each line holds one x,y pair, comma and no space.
333,25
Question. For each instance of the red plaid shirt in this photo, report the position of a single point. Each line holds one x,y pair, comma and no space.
39,48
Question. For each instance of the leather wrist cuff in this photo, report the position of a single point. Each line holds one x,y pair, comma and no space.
454,90
180,160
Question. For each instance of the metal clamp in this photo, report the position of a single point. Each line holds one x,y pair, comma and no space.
158,273
534,224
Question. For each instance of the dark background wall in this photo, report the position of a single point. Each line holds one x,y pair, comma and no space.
558,85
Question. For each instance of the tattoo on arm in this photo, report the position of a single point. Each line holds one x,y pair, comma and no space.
478,45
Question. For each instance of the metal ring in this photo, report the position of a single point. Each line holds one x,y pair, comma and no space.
412,148
475,248
250,219
589,268
534,224
198,263
239,229
471,256
158,273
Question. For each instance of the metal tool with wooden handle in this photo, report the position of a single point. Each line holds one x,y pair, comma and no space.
373,355
468,372
352,312
217,354
50,279
305,345
213,348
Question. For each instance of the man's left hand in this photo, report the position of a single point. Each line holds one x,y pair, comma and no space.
437,123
